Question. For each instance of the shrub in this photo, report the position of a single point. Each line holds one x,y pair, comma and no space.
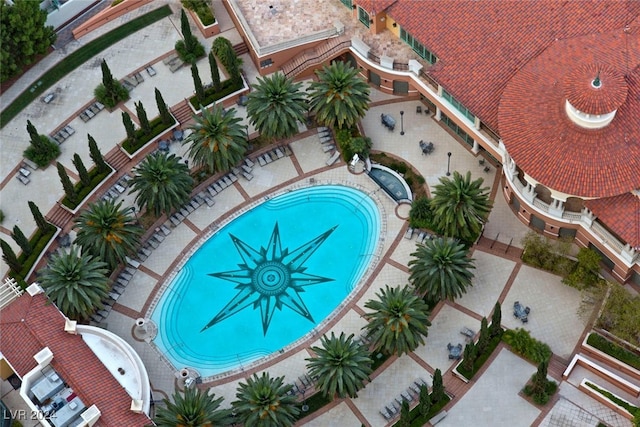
633,410
524,344
38,242
111,99
44,153
614,350
202,8
541,252
481,358
420,215
621,314
1,216
81,190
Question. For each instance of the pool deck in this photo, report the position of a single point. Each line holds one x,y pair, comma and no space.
499,276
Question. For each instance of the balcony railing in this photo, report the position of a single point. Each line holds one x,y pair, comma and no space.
607,238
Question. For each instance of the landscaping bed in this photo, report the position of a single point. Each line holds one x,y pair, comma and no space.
77,58
480,359
614,350
39,242
83,191
157,128
414,180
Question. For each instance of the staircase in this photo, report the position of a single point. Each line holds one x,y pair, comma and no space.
241,48
116,158
182,112
312,57
59,216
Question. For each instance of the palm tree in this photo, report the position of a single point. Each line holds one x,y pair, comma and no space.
264,402
441,269
194,408
339,98
76,283
218,141
276,105
108,232
341,366
399,320
460,207
162,182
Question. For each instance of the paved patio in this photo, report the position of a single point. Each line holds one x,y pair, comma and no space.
554,306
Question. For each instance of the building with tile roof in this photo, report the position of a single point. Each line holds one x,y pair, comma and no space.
97,376
547,90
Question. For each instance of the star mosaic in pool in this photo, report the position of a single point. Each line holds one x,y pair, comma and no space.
270,277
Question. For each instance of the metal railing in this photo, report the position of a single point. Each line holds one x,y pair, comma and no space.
318,59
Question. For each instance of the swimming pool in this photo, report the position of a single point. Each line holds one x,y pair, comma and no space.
267,278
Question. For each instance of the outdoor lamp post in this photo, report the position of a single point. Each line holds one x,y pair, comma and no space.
401,122
448,162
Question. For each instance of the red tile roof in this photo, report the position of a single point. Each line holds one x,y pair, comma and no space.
621,214
481,45
553,150
376,6
29,324
592,96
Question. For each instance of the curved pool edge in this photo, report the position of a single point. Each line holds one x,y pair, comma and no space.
199,240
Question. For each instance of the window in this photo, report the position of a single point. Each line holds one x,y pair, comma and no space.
417,47
266,63
363,16
348,3
458,131
458,106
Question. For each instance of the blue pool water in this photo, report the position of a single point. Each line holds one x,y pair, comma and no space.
267,278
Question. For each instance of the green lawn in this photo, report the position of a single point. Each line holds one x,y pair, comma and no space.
77,58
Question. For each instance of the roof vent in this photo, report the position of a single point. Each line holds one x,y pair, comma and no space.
596,83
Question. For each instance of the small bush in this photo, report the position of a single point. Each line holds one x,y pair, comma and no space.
38,242
189,56
116,2
621,314
110,100
43,156
614,350
524,344
542,397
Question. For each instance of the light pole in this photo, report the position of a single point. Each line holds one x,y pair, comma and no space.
401,122
448,162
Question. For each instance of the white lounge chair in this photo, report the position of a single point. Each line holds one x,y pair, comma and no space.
334,157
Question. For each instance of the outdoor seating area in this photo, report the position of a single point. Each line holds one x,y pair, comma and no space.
63,134
388,121
421,235
426,147
521,312
23,175
392,409
274,154
91,112
151,71
114,294
118,188
468,333
173,62
129,82
455,351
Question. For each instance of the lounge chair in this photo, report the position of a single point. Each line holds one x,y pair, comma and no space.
126,275
421,237
174,221
23,179
279,153
233,178
153,243
217,187
248,162
212,191
138,77
209,201
159,237
267,158
409,233
228,181
84,117
235,171
190,209
99,105
334,157
261,161
247,176
151,71
327,148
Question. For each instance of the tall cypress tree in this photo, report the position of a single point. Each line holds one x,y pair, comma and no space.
425,401
197,83
96,155
10,257
42,223
142,116
82,171
484,337
107,78
215,73
69,189
129,126
22,241
186,32
34,136
470,354
165,115
496,319
405,415
437,387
